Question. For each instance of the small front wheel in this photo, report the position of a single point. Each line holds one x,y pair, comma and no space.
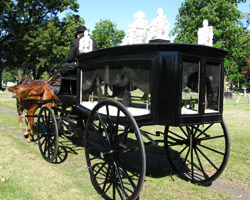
47,134
115,151
198,153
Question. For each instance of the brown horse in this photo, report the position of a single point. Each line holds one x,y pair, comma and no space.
31,96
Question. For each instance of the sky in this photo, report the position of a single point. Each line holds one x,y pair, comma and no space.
122,12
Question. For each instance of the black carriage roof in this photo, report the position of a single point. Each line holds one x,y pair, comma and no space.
149,48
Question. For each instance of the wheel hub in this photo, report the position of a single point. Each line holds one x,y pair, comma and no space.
107,154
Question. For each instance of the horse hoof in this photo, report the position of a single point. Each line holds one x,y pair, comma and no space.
25,132
30,139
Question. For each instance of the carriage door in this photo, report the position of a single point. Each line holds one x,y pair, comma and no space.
190,86
212,87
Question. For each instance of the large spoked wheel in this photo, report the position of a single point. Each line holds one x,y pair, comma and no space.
47,134
115,151
198,153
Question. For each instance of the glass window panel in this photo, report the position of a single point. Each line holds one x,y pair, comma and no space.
128,83
212,87
190,87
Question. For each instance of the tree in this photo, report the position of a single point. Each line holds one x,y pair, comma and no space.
51,41
106,34
229,32
24,23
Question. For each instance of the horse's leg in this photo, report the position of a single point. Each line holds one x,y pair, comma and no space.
26,131
31,113
20,121
31,123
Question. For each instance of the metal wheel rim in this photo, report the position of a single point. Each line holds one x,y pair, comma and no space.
112,160
191,167
47,134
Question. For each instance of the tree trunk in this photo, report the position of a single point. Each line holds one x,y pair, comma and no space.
1,70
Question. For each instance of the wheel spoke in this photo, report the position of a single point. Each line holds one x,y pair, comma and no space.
107,177
183,131
192,161
176,135
114,180
41,143
98,171
209,138
185,160
198,158
122,137
97,145
45,146
207,158
203,132
178,142
179,153
105,130
98,135
117,124
110,127
120,180
212,149
196,130
126,174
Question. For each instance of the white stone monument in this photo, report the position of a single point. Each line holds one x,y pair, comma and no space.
159,27
138,31
205,34
85,43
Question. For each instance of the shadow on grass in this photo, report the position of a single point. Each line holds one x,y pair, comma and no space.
157,164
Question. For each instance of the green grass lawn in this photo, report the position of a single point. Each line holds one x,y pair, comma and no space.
25,175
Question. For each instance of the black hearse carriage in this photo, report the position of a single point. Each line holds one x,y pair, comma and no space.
122,89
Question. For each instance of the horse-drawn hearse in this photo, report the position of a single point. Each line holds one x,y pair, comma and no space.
117,91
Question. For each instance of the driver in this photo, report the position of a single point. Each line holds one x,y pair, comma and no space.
74,48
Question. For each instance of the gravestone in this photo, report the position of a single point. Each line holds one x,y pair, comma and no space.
228,95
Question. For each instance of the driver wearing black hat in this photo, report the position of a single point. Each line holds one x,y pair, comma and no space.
74,48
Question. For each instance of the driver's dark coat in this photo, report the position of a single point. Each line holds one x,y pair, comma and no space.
74,49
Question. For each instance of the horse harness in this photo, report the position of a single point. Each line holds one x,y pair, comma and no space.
41,101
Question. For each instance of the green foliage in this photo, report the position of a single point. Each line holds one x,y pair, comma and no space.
230,32
106,34
31,31
9,75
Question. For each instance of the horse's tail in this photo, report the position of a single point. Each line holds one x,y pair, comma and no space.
13,88
29,92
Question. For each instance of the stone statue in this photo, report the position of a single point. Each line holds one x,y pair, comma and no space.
85,43
138,31
159,27
205,34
